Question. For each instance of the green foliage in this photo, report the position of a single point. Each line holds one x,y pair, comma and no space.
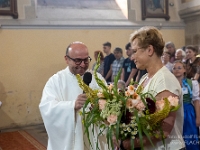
140,122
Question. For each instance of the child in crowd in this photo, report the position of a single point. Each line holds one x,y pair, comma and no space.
191,99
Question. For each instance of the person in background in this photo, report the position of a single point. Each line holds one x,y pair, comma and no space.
116,65
198,51
62,100
166,60
147,44
183,48
129,70
139,75
180,55
108,60
191,103
101,67
192,63
198,55
171,49
121,85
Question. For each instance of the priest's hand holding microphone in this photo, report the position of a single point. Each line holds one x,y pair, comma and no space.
80,101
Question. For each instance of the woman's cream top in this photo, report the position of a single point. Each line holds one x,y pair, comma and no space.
161,81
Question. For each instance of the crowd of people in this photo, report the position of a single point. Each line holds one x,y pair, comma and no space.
185,65
113,62
150,62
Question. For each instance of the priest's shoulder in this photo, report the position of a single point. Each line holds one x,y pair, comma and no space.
58,75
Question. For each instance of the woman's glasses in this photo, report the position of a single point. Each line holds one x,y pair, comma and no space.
78,61
135,50
177,68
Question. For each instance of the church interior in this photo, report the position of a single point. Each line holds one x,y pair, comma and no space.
34,35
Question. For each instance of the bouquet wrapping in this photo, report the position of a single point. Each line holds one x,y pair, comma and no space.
124,113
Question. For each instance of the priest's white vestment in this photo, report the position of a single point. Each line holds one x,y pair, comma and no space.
62,122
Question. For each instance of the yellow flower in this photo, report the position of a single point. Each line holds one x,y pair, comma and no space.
100,95
110,87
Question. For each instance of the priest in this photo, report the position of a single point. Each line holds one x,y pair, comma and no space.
62,101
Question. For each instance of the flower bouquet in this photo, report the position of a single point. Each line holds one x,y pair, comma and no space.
125,113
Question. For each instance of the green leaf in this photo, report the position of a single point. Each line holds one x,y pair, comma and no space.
148,136
117,126
132,144
175,108
162,134
139,129
99,82
108,138
116,81
87,131
111,135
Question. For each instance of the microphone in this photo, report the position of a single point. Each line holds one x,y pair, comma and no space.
87,78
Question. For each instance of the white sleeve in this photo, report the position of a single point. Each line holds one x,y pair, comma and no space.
94,84
58,117
195,90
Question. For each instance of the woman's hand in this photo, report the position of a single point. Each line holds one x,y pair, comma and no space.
126,144
116,143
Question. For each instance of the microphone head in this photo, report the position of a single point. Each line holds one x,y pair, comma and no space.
87,78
